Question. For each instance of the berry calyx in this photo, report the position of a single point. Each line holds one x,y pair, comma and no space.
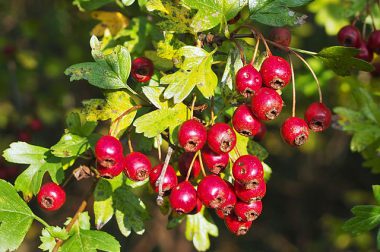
250,195
110,172
248,211
183,198
212,191
142,69
248,170
266,104
248,80
350,36
236,226
192,135
51,197
365,52
137,166
295,131
170,178
374,41
281,35
215,162
276,72
221,138
244,122
184,162
108,151
318,116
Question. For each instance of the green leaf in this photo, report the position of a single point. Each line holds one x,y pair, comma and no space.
154,95
110,71
79,126
127,2
70,145
376,192
267,171
365,135
174,220
213,12
233,64
257,150
365,218
103,209
88,5
15,217
155,122
198,228
342,60
367,105
49,235
24,153
378,239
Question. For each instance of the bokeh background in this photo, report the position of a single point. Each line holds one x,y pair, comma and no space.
311,189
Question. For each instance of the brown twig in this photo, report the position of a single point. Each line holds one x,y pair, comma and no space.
117,120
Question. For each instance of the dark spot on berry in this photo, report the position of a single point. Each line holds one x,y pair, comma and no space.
272,114
277,83
251,215
242,231
300,140
47,202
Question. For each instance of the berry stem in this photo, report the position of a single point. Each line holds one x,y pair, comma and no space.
192,164
67,180
312,72
255,53
240,51
293,88
162,175
41,221
159,149
373,21
237,151
232,159
201,163
192,107
130,144
212,111
117,120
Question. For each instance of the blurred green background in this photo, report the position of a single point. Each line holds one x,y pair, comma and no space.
311,190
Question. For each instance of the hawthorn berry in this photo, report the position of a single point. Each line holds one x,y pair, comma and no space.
266,104
365,53
110,172
261,133
350,36
215,162
212,191
295,131
248,80
137,166
108,151
221,138
184,162
276,72
35,124
248,211
170,178
248,170
250,195
197,208
236,226
374,41
183,198
220,214
142,69
318,116
281,35
51,196
192,135
230,202
244,122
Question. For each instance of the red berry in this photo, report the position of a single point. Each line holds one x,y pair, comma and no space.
295,131
51,197
35,124
248,211
183,198
142,69
318,116
184,162
170,178
198,207
248,170
376,72
230,202
244,122
235,226
374,41
276,72
108,151
221,138
112,171
365,53
215,162
248,80
24,136
350,36
281,35
261,133
192,135
137,166
220,213
249,195
212,191
266,104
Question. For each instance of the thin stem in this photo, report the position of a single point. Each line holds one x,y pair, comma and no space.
237,151
255,53
67,180
159,149
212,110
41,221
363,29
130,144
232,159
192,107
117,120
287,48
241,51
161,178
312,72
202,166
293,88
191,165
373,21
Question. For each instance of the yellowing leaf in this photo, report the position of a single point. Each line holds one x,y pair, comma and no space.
114,21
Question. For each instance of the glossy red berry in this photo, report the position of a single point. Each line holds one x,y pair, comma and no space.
250,195
108,151
248,80
365,53
236,226
261,133
318,116
215,162
244,122
281,35
137,166
266,104
170,178
197,208
374,41
220,213
221,138
350,36
192,135
110,172
276,72
248,170
183,198
248,211
295,131
51,197
184,162
230,202
212,191
142,69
